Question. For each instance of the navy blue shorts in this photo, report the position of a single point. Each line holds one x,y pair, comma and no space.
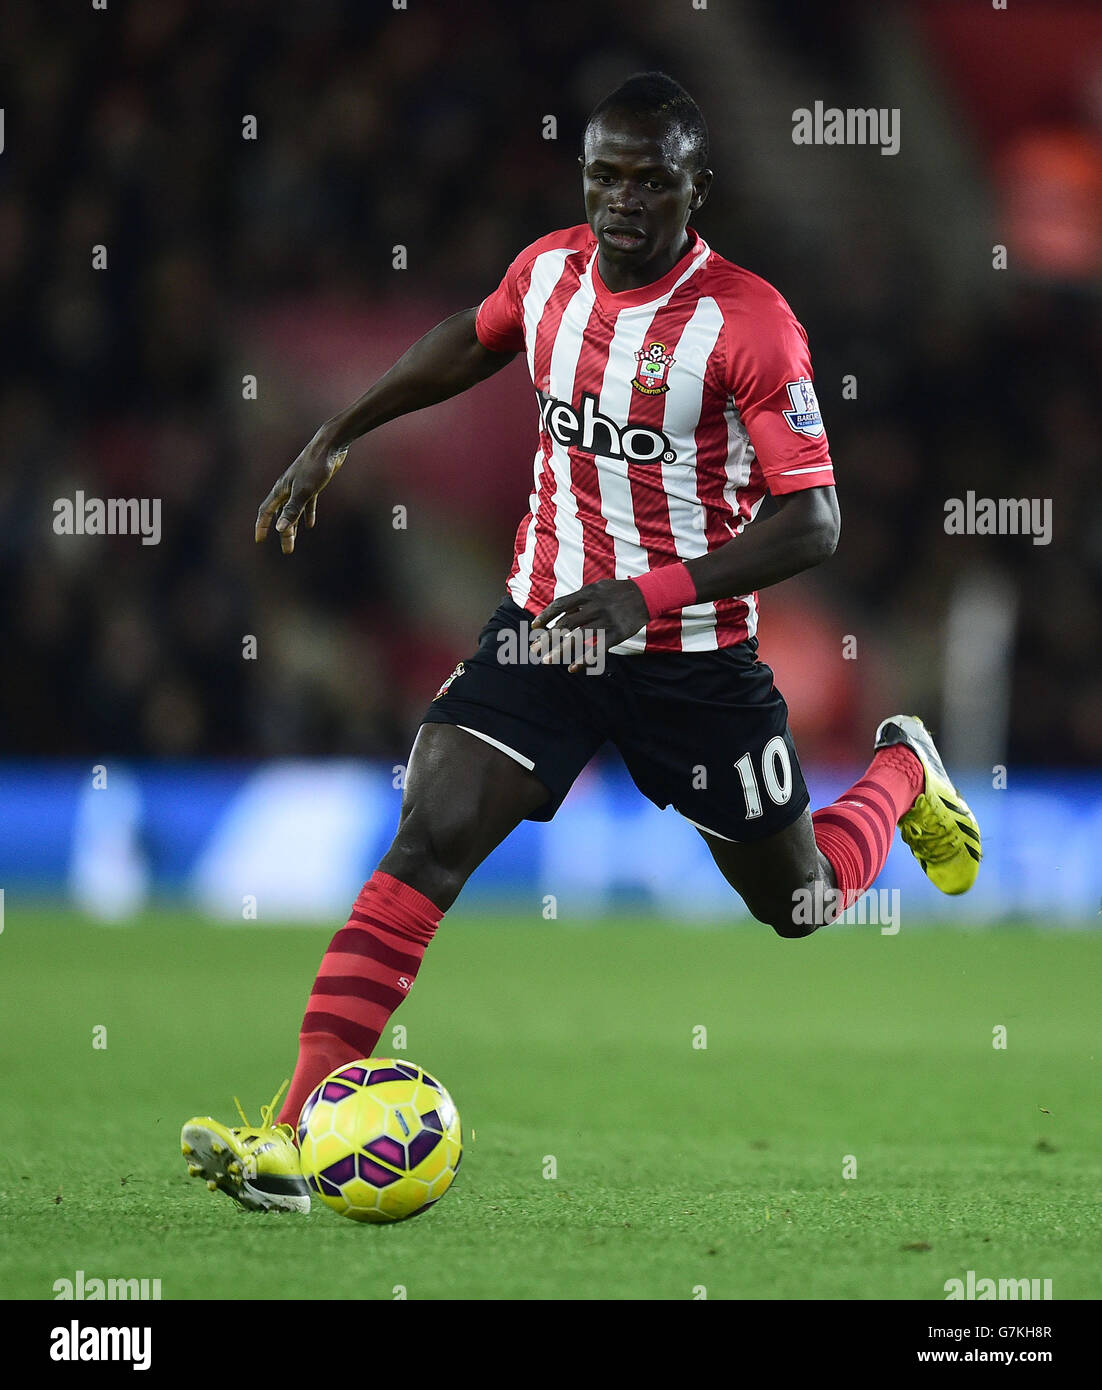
704,732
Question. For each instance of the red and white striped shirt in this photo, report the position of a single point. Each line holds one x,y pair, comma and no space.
666,415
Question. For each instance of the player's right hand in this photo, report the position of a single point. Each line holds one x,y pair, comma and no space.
294,498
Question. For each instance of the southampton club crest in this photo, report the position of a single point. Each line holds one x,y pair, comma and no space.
650,375
804,417
459,670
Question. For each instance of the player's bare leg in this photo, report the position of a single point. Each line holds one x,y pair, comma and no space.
767,875
462,797
844,846
806,875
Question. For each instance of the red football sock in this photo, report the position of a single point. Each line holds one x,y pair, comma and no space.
365,974
855,832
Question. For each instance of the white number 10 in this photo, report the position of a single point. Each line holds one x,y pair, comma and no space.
776,767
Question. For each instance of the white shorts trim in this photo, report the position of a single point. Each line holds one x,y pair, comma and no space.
714,833
512,752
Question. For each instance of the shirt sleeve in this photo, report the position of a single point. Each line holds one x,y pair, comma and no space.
771,381
499,323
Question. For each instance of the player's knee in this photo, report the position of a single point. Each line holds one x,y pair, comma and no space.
433,858
793,931
415,864
785,917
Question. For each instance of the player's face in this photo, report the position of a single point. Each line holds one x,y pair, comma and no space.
640,190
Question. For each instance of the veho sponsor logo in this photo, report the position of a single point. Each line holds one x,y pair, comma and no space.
595,433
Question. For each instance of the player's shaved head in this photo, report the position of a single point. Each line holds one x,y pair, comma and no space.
656,97
644,174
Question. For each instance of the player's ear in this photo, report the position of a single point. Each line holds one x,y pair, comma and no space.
701,184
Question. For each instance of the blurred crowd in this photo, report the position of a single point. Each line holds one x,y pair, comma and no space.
253,286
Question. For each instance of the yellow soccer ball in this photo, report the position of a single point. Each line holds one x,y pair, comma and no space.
380,1140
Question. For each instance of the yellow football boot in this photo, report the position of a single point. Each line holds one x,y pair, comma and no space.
939,829
258,1167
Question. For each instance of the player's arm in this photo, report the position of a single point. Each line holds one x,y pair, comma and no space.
802,534
447,360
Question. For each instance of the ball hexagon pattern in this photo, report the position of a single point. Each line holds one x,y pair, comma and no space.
380,1140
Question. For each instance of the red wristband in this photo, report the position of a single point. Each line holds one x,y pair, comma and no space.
666,589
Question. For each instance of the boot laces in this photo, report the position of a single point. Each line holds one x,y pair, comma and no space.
267,1113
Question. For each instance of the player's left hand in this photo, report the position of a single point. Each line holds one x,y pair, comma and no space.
590,620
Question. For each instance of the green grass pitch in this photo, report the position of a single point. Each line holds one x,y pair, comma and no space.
679,1168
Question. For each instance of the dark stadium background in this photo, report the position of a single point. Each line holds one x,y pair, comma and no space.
224,812
423,128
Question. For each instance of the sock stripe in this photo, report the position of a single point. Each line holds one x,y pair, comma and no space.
353,941
877,826
873,807
394,917
872,791
410,900
855,848
840,818
859,861
856,838
358,988
356,1010
875,801
356,967
883,806
362,1041
362,912
415,936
